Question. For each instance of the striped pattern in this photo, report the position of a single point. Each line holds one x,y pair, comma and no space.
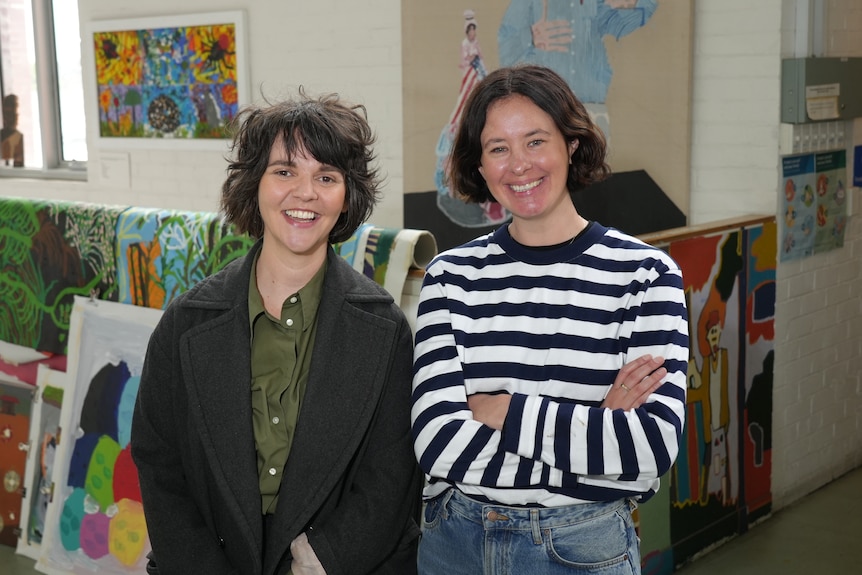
551,327
469,79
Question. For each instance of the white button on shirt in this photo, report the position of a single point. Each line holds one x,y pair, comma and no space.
275,420
288,322
272,471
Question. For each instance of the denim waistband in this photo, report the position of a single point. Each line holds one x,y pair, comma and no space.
494,516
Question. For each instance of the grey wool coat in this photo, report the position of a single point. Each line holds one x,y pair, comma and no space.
351,482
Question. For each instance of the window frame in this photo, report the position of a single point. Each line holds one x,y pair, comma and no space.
48,88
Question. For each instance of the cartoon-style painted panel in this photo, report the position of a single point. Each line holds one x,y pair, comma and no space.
720,482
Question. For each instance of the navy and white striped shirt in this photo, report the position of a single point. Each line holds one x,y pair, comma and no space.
552,327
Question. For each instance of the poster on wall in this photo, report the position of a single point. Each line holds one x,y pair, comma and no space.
628,62
798,208
95,521
166,81
814,203
831,189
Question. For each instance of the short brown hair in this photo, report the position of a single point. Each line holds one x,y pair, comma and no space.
333,132
551,93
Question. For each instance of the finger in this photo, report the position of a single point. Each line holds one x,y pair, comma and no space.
637,363
643,369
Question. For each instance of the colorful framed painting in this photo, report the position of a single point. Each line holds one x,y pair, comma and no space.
173,81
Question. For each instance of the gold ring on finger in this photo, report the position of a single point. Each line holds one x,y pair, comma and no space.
625,387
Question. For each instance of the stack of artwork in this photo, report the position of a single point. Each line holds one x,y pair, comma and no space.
82,511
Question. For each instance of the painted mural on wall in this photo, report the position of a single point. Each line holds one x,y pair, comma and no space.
473,70
627,60
720,482
53,251
569,38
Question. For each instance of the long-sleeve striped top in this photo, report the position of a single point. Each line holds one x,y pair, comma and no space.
552,327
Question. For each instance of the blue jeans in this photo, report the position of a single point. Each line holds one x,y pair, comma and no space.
462,536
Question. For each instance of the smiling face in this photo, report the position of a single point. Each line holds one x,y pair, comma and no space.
300,201
525,162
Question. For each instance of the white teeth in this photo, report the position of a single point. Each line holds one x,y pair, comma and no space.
300,214
526,187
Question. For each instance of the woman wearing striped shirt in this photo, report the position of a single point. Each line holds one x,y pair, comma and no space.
551,354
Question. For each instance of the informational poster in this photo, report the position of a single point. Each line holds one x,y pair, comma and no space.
814,204
798,207
831,168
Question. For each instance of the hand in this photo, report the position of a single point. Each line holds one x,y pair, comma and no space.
305,561
616,4
635,382
551,35
490,409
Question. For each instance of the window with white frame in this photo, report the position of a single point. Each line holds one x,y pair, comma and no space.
41,88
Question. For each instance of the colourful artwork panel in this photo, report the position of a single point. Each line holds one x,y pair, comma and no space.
162,253
44,441
14,430
172,78
51,252
95,521
720,482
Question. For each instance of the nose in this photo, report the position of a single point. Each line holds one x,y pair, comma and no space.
305,189
520,163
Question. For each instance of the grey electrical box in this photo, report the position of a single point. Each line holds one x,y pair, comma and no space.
820,89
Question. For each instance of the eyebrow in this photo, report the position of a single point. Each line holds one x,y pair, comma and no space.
291,164
529,134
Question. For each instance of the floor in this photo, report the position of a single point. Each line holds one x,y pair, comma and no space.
819,534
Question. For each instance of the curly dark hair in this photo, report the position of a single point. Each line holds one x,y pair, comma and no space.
551,93
333,132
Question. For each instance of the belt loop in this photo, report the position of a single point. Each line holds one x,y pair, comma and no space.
534,526
444,503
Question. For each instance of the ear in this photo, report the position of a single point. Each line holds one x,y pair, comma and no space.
573,145
482,172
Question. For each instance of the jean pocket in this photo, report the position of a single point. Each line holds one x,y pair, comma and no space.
432,512
598,545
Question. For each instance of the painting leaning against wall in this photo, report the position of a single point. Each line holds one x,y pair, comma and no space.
168,78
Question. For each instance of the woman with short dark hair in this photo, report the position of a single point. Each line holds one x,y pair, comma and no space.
551,354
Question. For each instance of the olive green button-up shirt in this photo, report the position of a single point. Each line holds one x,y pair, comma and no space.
281,349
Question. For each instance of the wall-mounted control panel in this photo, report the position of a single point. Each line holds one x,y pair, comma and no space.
820,89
